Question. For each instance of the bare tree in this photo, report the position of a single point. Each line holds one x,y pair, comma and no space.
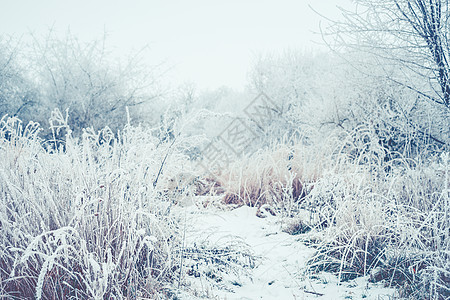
411,38
17,95
85,79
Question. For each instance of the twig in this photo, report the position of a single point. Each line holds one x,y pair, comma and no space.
182,250
163,162
314,293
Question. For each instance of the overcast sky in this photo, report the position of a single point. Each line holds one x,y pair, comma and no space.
210,43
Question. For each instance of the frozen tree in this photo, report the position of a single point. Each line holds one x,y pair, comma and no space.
410,35
84,78
406,42
17,96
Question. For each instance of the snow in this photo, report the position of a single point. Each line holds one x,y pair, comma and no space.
277,271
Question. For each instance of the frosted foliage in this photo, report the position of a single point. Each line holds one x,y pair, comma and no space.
83,219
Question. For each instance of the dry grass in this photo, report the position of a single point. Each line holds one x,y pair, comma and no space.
387,219
379,214
279,177
82,220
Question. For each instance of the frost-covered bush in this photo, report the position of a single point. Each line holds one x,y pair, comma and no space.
17,94
60,71
322,92
84,219
386,219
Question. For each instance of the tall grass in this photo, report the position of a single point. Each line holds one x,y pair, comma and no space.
83,219
377,213
280,177
387,218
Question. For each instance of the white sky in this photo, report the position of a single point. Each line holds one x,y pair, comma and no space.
210,43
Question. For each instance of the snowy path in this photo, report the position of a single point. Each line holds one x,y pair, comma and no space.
277,270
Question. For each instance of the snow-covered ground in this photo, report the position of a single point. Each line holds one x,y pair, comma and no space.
256,260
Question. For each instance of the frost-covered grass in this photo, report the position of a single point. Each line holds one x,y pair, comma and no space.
84,219
372,212
93,218
280,177
385,218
